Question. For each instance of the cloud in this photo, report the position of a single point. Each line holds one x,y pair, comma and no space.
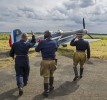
73,4
48,14
70,10
75,10
87,3
28,12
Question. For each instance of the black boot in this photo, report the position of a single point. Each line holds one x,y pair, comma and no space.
25,83
76,73
81,72
46,90
20,91
51,80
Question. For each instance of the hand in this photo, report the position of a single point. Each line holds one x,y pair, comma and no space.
76,37
32,33
38,40
88,60
13,58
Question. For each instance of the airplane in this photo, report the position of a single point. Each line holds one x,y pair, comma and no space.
61,37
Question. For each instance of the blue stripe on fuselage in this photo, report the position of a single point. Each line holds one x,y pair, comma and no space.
14,35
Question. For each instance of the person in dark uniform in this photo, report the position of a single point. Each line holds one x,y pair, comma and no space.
80,56
48,47
19,52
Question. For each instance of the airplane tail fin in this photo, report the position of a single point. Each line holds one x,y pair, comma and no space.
15,36
10,41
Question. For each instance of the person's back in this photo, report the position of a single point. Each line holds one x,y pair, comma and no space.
80,56
81,45
48,47
19,51
21,47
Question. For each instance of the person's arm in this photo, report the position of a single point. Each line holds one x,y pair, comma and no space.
38,48
73,42
12,51
57,45
33,40
88,51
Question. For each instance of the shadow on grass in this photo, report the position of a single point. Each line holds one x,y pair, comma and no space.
65,89
9,95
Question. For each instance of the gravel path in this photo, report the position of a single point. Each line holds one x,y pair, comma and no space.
93,85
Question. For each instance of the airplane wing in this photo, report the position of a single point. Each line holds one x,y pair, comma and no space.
65,40
62,39
92,40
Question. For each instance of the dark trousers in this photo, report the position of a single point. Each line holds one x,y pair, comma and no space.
22,69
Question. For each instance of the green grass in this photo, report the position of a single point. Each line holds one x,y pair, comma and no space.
4,36
98,50
66,51
103,37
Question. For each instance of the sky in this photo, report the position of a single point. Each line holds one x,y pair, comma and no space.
41,15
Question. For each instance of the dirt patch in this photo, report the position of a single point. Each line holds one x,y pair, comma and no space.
4,54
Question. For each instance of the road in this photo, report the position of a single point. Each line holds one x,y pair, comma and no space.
93,85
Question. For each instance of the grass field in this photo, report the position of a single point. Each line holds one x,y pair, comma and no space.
5,60
4,36
98,50
103,37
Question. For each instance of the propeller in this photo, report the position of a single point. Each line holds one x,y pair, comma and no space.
90,36
83,23
84,28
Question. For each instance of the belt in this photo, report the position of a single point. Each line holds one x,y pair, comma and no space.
48,58
21,55
80,51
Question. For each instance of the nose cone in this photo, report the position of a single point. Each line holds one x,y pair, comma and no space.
85,31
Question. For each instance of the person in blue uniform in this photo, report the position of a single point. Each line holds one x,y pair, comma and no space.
48,47
80,55
19,52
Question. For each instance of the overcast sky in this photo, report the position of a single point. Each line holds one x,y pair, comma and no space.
41,15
